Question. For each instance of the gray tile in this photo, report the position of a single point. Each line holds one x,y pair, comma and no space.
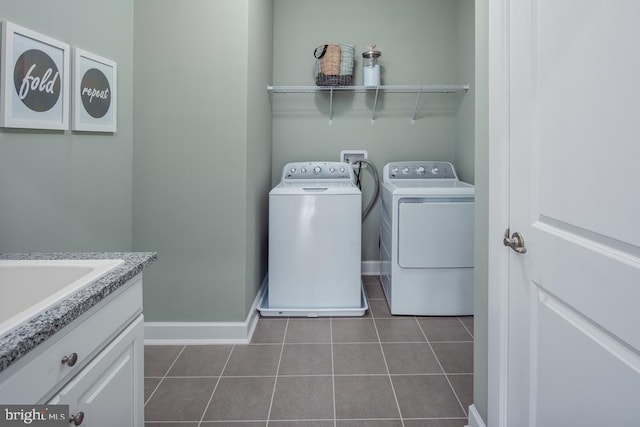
450,422
306,359
308,331
269,330
241,399
233,424
298,423
180,399
369,423
425,396
361,397
303,398
456,358
444,329
463,387
380,308
253,360
355,359
150,385
158,358
354,330
374,291
399,330
368,280
410,358
201,361
185,424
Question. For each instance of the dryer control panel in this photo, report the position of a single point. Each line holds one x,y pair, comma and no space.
419,170
317,171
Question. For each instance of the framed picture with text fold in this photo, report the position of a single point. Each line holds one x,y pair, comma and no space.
34,80
94,91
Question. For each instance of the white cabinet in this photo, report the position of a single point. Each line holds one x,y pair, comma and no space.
109,390
94,364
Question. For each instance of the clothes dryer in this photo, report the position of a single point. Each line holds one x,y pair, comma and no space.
427,239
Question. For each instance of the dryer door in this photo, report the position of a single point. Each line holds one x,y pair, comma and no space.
435,233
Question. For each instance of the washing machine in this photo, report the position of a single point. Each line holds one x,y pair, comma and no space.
315,242
426,239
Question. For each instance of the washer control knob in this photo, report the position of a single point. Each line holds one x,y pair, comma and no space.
317,170
292,170
332,170
405,170
395,170
342,170
434,171
421,170
303,170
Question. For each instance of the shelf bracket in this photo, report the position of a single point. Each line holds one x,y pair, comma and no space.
375,103
331,106
415,109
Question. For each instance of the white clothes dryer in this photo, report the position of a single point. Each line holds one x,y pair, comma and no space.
426,239
315,242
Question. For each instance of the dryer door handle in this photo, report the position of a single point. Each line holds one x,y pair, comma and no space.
315,189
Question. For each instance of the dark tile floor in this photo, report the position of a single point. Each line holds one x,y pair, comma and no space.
378,370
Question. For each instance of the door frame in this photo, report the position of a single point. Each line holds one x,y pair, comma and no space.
498,206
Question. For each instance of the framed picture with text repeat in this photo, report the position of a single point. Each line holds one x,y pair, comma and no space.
94,93
34,80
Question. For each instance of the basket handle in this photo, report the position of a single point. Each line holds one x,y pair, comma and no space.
324,50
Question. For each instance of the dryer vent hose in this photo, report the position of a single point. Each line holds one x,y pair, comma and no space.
376,193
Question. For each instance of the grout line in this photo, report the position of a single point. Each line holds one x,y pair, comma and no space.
333,373
206,408
465,327
165,375
275,382
464,411
386,365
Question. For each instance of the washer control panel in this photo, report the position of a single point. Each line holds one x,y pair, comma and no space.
419,170
317,171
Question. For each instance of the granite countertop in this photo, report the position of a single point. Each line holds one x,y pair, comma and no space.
21,340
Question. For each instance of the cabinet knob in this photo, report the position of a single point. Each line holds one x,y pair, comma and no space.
70,360
77,419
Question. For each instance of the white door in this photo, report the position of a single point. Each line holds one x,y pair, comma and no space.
574,195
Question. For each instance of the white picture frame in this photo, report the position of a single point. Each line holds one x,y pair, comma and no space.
34,80
94,93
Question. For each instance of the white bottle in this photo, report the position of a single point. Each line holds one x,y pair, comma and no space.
371,70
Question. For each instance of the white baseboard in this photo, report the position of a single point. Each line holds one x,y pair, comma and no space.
475,420
370,268
194,333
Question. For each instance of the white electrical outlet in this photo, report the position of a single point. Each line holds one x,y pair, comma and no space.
350,156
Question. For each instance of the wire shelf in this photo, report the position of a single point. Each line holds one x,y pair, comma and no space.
417,89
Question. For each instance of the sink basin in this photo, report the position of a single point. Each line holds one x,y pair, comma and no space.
29,287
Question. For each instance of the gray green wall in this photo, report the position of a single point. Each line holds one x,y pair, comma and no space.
202,134
422,42
63,190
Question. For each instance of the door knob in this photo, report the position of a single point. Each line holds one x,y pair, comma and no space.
515,242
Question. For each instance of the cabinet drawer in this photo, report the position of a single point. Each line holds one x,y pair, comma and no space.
41,374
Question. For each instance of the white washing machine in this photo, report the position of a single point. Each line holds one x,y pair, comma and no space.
315,242
426,239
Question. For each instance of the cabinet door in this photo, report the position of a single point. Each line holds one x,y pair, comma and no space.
109,391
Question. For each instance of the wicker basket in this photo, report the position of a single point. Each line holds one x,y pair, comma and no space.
334,64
